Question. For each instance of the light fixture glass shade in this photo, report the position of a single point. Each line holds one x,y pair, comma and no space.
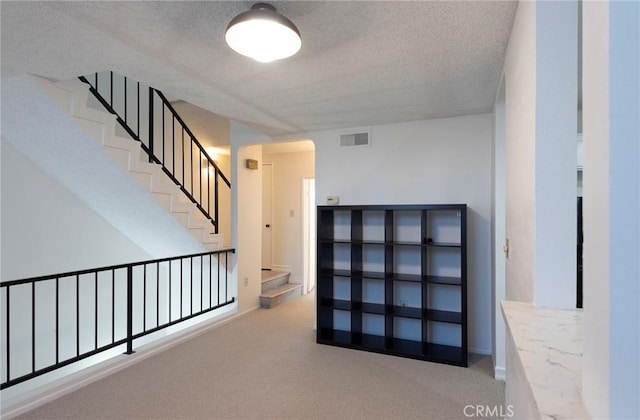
263,34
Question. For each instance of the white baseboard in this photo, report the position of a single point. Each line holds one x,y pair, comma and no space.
60,387
500,373
295,280
281,267
476,350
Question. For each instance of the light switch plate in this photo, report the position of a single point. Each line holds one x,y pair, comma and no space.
333,200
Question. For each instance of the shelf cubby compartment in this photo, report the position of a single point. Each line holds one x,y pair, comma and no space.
406,293
444,227
373,290
373,324
444,333
443,262
407,259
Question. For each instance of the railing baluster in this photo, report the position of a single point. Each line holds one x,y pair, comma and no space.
215,197
191,287
77,315
138,118
170,301
125,99
144,297
208,188
201,282
129,310
226,277
151,118
173,145
191,163
210,290
97,82
111,97
8,318
33,327
200,174
163,129
95,282
218,280
113,306
57,320
183,156
157,294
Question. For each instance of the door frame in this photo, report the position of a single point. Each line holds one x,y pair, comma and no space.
262,225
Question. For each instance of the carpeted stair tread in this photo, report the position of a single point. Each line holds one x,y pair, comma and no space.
280,290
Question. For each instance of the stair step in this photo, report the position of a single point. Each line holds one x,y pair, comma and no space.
274,279
282,294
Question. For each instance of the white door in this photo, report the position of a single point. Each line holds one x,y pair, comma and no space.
267,216
309,237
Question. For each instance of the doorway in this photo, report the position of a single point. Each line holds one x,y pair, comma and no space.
267,216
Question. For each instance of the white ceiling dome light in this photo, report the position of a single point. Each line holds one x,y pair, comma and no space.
263,34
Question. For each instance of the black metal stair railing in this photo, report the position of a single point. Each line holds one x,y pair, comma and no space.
49,322
148,117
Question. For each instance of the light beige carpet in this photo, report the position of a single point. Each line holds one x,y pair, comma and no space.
266,365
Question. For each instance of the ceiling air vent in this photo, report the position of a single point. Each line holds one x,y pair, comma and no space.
357,139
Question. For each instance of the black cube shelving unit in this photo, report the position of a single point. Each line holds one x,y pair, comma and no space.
393,279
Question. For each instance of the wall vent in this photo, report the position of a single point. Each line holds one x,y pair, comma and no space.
357,139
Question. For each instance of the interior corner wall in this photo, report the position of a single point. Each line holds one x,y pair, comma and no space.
556,153
595,183
520,133
611,183
498,234
424,162
289,169
246,214
47,229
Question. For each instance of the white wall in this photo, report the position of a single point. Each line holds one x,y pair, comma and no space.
422,162
246,207
289,169
46,229
541,132
520,73
611,186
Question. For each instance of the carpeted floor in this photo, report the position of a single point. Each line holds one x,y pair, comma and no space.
266,365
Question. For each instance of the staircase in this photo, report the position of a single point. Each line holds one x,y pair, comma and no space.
74,96
276,289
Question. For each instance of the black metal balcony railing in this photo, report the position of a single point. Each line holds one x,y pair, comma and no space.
53,321
147,116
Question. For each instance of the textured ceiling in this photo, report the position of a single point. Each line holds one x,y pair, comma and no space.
361,63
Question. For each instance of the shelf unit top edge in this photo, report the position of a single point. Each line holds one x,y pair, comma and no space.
394,207
391,243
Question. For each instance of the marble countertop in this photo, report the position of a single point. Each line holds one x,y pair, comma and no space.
550,344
